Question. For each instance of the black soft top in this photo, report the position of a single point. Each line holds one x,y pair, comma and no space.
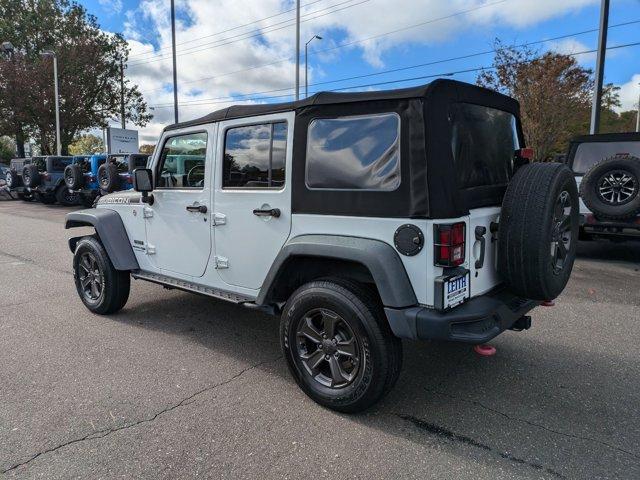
428,187
335,98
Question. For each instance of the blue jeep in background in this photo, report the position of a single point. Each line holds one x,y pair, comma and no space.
44,177
81,177
102,174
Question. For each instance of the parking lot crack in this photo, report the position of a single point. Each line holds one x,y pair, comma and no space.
537,425
447,434
105,432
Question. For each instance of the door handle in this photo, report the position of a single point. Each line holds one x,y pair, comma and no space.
268,212
197,208
480,232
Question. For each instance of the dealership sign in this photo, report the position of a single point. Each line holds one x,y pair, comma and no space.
120,140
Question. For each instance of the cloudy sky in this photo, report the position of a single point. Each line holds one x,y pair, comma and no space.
232,51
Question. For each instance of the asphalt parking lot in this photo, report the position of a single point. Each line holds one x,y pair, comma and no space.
179,386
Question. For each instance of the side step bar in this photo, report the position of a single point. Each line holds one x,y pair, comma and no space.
191,287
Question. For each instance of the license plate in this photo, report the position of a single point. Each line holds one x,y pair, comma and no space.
455,291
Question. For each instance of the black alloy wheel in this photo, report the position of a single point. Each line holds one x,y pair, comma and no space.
90,276
561,236
327,348
617,187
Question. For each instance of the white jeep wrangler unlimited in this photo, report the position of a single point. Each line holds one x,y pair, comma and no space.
360,218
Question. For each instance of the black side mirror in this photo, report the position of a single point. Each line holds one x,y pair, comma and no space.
143,183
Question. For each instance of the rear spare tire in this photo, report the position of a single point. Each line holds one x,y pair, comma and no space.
108,177
538,230
30,176
611,187
73,176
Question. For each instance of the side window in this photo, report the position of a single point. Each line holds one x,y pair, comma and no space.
182,161
254,156
354,153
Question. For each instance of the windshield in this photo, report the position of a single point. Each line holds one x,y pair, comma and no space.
484,141
121,163
588,154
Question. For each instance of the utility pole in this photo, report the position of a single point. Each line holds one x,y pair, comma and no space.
638,116
602,48
175,73
122,119
49,53
297,49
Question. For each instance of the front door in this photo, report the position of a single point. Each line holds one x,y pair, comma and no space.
252,197
178,221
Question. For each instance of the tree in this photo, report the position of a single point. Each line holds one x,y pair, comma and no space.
89,62
86,145
553,90
147,148
7,150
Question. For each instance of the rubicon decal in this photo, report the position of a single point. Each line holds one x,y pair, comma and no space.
118,200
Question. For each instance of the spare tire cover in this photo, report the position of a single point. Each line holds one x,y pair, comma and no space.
73,176
30,176
611,187
108,177
538,230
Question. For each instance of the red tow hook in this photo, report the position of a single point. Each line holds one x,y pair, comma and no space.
548,303
485,350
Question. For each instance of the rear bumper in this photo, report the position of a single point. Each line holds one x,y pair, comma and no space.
623,229
476,321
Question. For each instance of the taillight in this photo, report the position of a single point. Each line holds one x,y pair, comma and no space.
46,176
129,179
449,244
527,153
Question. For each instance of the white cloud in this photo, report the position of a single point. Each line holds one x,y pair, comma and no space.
111,6
570,46
361,21
629,93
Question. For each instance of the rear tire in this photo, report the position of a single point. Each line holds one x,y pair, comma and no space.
64,197
358,359
46,198
102,288
538,230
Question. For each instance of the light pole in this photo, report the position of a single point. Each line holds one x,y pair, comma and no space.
50,53
173,49
297,49
306,64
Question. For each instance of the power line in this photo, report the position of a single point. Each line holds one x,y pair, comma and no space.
229,29
353,42
259,32
377,84
435,62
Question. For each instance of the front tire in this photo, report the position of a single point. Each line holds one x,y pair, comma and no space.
101,287
338,345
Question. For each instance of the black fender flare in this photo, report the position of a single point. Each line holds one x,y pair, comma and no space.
110,230
378,257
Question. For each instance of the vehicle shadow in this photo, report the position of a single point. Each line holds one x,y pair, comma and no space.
539,407
608,251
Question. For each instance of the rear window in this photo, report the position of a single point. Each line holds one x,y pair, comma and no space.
588,154
354,153
483,141
58,164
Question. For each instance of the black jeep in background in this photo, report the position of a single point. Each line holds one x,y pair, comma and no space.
607,170
13,178
44,177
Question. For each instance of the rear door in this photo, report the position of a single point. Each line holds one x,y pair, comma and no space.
252,196
484,141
